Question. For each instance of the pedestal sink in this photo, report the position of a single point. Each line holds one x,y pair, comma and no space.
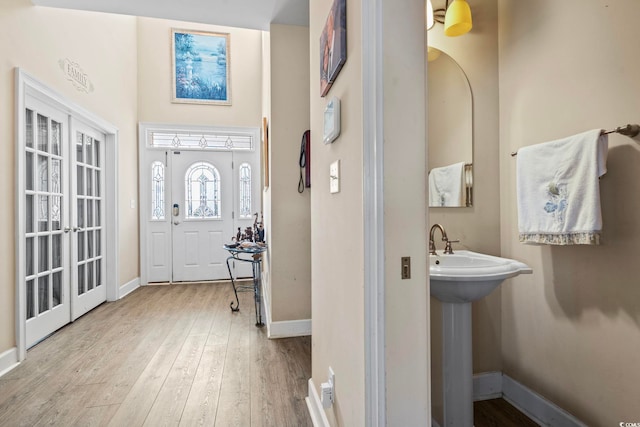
457,280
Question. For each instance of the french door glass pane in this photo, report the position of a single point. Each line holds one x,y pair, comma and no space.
56,211
29,171
29,129
81,280
89,181
97,183
43,173
89,244
29,260
31,303
80,181
56,137
90,275
98,248
89,213
29,214
97,214
81,246
43,133
80,214
98,272
88,141
96,149
43,294
43,253
79,146
56,184
56,251
43,213
57,288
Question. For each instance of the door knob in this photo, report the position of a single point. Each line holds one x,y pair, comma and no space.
176,222
66,229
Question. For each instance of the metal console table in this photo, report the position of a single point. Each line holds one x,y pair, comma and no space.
255,259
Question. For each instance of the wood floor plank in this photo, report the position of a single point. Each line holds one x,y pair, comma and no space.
164,355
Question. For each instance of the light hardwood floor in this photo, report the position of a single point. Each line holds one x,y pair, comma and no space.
162,356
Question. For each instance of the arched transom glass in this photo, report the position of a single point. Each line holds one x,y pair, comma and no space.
245,190
202,191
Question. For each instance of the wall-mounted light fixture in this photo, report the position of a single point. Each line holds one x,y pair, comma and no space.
455,17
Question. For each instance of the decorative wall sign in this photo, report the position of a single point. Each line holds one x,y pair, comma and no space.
200,64
333,45
74,73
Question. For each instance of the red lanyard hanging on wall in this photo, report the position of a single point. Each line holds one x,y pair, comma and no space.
305,162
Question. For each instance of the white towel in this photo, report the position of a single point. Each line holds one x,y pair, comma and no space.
446,185
559,191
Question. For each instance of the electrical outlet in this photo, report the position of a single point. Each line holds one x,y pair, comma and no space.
405,271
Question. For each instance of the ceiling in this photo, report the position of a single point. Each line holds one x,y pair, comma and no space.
255,14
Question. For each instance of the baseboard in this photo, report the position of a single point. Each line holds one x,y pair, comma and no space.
314,405
289,328
8,360
493,385
535,406
487,385
128,287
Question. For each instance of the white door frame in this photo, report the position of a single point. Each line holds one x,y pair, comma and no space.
26,84
144,130
373,200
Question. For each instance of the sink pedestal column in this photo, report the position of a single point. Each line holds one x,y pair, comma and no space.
457,364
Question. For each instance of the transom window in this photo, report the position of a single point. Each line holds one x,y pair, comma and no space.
208,140
202,191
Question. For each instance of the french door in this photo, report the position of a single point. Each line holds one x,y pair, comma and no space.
64,211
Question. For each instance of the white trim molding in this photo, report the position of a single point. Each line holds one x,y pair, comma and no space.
128,287
492,385
8,360
314,405
375,399
288,328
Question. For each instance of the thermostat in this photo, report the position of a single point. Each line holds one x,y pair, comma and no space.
331,121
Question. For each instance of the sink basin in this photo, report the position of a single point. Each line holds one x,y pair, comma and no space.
467,276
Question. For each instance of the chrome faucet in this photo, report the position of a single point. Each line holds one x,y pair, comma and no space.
432,243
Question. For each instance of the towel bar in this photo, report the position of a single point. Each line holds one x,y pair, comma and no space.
629,130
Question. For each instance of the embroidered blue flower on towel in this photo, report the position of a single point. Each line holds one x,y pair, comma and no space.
557,204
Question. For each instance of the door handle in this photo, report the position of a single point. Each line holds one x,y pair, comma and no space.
176,222
66,229
78,229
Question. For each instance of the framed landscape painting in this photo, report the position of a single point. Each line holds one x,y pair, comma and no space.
200,64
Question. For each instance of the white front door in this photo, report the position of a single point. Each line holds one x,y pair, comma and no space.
64,215
201,214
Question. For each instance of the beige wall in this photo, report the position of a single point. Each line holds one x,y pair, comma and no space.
337,227
35,39
571,331
154,77
405,214
290,216
338,220
477,228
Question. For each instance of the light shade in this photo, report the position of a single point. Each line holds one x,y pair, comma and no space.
430,20
432,53
457,20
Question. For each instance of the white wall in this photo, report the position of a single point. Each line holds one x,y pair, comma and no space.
571,331
35,39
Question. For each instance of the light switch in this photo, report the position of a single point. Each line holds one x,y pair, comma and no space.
132,203
334,177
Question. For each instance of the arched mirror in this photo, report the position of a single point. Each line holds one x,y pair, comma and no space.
450,127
